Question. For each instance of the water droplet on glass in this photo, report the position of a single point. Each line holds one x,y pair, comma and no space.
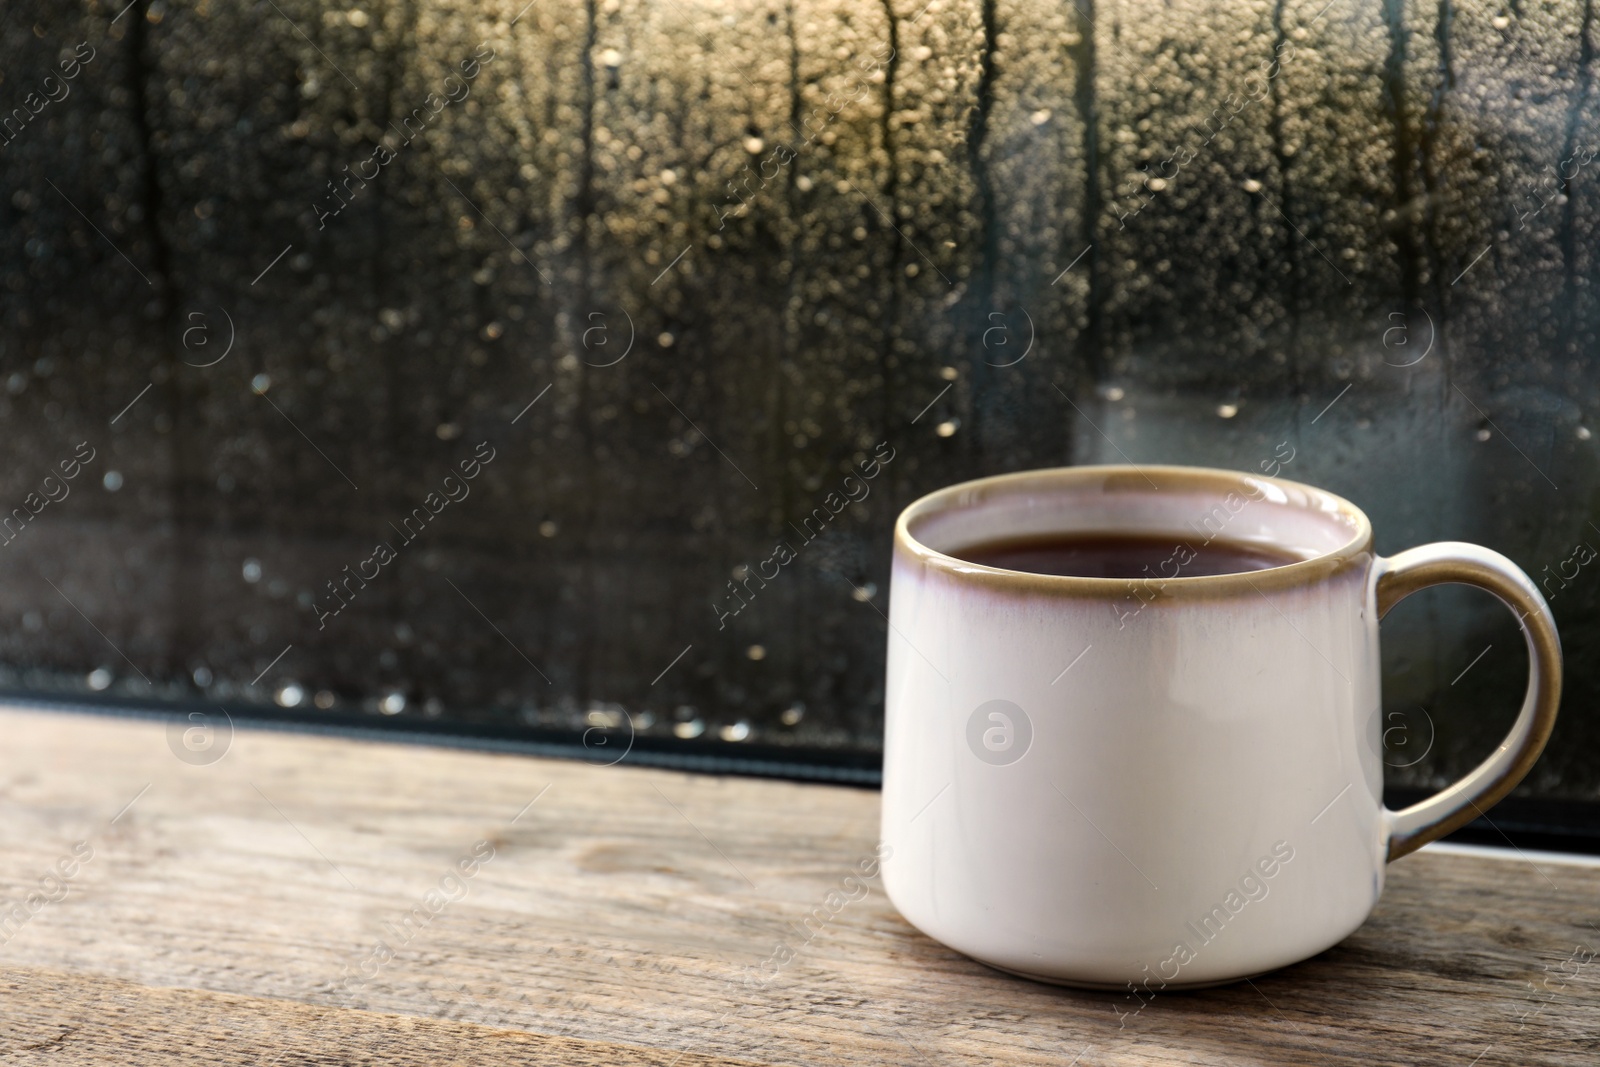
99,679
735,731
756,652
261,383
324,699
688,730
1227,411
607,718
112,481
393,703
793,714
947,428
289,696
865,591
252,570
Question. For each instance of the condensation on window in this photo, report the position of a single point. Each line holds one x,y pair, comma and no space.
564,365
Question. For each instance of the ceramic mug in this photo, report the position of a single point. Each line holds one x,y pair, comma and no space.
1168,781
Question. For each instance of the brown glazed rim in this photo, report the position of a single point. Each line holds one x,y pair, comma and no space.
1357,551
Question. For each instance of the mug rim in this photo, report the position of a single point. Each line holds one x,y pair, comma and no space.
1355,551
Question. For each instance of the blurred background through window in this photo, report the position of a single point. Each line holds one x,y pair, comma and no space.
467,363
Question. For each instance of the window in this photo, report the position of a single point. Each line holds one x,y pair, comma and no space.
462,368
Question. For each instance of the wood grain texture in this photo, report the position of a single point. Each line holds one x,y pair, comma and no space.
232,914
84,1019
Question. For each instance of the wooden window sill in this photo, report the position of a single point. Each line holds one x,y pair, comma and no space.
234,913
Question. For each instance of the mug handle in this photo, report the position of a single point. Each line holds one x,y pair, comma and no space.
1446,562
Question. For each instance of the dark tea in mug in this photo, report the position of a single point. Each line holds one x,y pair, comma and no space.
1125,555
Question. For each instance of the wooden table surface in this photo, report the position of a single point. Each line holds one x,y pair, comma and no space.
320,900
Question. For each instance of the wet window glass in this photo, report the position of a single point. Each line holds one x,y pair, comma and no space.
542,368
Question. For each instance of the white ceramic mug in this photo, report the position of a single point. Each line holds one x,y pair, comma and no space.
1160,782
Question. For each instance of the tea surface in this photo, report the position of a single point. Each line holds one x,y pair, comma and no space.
1116,555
